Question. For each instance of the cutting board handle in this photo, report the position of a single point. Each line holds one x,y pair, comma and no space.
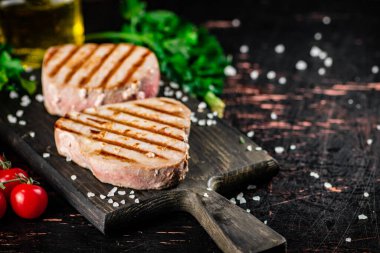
231,227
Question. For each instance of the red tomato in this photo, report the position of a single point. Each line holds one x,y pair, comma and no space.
3,205
10,174
29,201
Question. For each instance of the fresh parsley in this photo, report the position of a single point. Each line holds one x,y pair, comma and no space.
188,54
10,72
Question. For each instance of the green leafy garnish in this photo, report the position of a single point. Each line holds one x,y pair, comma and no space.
10,72
188,54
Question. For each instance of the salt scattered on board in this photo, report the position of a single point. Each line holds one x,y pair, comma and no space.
19,113
279,49
254,74
314,174
11,119
301,65
348,239
110,201
232,200
40,98
279,150
375,69
251,187
282,80
362,217
90,194
102,196
326,20
293,147
45,155
271,75
137,201
369,142
13,95
115,204
321,71
121,193
230,71
242,200
73,177
111,193
256,198
327,185
250,134
318,36
244,49
366,194
273,116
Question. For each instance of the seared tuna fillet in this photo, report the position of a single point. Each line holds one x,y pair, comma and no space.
142,144
79,77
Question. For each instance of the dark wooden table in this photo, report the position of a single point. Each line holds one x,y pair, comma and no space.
328,125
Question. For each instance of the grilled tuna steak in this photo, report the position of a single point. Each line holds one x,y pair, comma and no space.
79,77
142,144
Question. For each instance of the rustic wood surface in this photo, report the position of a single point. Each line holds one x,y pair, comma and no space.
329,125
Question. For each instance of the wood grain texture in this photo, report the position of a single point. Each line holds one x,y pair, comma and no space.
217,158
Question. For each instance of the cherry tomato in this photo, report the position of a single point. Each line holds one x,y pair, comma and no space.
28,201
10,174
3,205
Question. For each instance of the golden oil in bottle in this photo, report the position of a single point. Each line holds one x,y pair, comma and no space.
31,26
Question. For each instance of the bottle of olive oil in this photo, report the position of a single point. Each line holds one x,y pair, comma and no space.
31,26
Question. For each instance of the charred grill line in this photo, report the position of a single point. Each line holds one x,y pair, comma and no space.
60,64
99,64
133,69
180,138
117,66
129,112
111,142
153,108
79,64
125,134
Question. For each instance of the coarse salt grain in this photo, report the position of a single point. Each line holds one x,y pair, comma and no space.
25,101
32,134
326,20
239,196
229,71
293,147
328,62
137,201
236,22
13,95
178,94
122,202
68,159
39,98
249,148
185,99
265,222
132,196
301,65
256,198
321,71
279,49
73,177
318,36
209,189
350,101
102,196
248,210
22,122
348,239
251,187
132,192
210,115
111,193
202,122
11,119
369,142
250,134
362,217
258,148
273,116
279,150
174,85
90,194
121,193
209,122
32,78
115,204
314,174
242,200
45,155
314,51
327,185
110,201
202,105
378,127
366,194
19,113
205,195
232,200
282,80
254,74
322,55
271,75
244,49
375,69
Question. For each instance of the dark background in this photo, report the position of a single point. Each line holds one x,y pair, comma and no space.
329,125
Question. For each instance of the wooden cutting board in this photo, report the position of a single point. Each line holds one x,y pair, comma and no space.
218,161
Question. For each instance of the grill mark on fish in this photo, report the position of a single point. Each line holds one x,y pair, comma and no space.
168,102
118,65
153,108
160,145
79,64
52,52
99,64
60,64
134,68
111,142
130,124
139,115
119,157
